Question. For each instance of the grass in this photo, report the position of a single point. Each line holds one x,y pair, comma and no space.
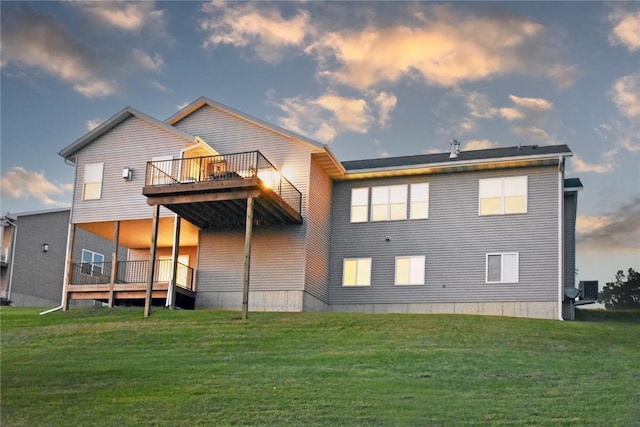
188,368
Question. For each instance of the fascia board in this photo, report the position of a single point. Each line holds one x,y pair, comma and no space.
457,163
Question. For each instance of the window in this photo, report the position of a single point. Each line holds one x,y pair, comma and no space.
92,263
359,204
500,196
420,201
356,272
502,267
410,270
389,203
92,188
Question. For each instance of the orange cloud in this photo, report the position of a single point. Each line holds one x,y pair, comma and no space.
626,31
19,183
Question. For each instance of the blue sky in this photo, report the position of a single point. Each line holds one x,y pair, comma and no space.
369,79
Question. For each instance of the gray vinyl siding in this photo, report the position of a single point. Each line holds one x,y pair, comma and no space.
570,210
131,144
229,134
277,259
454,240
39,276
318,234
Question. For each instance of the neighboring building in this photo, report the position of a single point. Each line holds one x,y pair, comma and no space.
476,232
34,247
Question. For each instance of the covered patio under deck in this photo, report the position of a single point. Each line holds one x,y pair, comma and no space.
223,191
127,283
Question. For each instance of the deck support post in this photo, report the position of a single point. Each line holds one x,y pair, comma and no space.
67,280
171,292
151,272
247,258
114,261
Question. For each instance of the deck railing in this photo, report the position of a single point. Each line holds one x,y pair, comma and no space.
251,164
131,272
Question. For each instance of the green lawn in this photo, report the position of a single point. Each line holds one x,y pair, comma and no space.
100,367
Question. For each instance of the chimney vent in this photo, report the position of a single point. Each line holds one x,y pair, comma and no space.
455,149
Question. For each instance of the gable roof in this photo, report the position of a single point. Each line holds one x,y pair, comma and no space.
523,151
70,150
202,101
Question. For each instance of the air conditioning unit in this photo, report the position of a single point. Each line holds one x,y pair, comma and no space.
588,290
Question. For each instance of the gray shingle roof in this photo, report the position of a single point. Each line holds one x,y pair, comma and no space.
573,183
425,159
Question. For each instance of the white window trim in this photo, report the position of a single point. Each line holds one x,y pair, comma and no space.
411,210
366,206
85,180
503,196
389,203
502,267
356,285
92,263
410,258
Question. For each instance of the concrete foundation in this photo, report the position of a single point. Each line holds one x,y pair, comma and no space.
531,309
301,301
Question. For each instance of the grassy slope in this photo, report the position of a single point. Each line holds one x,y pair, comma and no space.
100,367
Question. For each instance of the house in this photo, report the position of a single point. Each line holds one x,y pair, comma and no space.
218,209
34,249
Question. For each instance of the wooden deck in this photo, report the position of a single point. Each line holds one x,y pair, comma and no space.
219,199
128,291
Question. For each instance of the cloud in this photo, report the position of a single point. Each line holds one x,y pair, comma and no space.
535,133
511,113
184,104
386,102
607,164
442,47
625,93
626,30
534,104
19,183
324,117
328,115
479,144
35,40
130,16
619,229
146,61
93,123
259,27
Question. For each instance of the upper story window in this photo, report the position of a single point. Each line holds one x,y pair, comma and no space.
92,186
501,196
92,262
389,203
420,201
359,204
503,267
410,270
356,272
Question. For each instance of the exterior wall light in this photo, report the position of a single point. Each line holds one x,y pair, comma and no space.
127,174
45,247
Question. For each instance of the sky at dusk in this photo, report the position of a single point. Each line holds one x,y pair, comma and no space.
370,79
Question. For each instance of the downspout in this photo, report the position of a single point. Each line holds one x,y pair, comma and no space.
66,272
13,255
560,235
66,261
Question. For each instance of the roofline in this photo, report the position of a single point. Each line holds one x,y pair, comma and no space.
334,158
458,163
203,100
14,216
70,150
